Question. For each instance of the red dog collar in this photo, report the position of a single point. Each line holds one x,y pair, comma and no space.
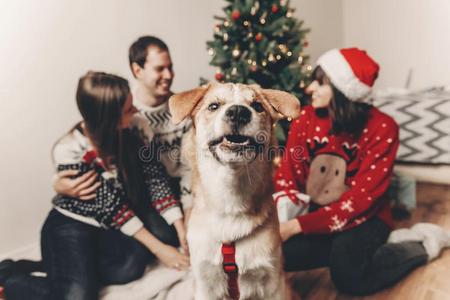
231,269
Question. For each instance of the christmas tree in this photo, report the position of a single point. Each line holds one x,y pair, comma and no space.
261,42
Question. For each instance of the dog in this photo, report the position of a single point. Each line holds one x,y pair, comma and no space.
229,152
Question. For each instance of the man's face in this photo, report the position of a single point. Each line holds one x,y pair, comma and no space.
157,74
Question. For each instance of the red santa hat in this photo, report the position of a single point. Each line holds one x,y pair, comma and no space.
352,71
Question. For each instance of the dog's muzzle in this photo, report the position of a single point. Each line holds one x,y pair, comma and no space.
238,116
238,145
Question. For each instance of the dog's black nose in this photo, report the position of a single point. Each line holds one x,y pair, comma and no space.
238,114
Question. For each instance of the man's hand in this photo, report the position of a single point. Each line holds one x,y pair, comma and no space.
187,216
83,187
181,232
289,228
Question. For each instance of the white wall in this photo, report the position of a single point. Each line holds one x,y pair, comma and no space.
402,35
324,18
46,45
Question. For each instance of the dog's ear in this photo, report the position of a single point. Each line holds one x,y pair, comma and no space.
279,104
284,103
181,105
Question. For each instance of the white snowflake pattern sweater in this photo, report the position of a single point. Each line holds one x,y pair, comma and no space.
369,162
168,137
110,209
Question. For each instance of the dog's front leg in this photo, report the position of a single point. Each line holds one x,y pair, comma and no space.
261,284
210,282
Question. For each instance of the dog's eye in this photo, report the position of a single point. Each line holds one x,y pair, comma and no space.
213,106
257,106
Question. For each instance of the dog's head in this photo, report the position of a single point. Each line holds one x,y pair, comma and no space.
233,121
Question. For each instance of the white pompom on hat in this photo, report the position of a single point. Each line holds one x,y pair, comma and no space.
352,71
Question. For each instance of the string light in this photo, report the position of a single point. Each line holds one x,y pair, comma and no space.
262,20
211,51
289,53
254,8
283,48
289,13
236,52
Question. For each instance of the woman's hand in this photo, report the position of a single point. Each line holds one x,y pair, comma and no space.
289,228
171,257
181,232
167,254
83,187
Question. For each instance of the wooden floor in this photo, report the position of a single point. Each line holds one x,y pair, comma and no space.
430,282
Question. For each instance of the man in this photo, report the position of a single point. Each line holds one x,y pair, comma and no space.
151,65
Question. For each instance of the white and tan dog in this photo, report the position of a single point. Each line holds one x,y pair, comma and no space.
229,154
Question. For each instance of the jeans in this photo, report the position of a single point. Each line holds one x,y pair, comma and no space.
359,259
79,258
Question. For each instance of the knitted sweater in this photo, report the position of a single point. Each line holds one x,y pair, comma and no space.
369,162
110,209
168,138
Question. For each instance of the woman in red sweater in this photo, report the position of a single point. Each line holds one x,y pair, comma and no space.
341,152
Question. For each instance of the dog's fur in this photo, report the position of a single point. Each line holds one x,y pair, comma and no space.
232,188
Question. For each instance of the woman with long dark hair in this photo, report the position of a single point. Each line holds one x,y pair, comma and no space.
341,151
110,239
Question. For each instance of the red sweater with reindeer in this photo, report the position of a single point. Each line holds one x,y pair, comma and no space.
369,163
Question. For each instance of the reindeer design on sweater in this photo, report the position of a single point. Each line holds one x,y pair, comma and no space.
327,173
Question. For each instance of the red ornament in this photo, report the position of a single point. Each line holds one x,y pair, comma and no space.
305,44
253,68
259,37
235,15
219,76
275,8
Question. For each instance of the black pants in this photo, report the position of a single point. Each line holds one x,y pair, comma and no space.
79,258
359,259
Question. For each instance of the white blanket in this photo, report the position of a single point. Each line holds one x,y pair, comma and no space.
158,282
